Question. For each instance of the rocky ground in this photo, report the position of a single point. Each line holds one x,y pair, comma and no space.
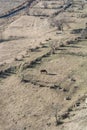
43,71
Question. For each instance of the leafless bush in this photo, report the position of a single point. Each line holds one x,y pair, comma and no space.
84,32
37,13
82,4
83,15
68,3
52,50
45,5
60,23
62,44
85,25
57,116
1,35
67,98
54,47
65,115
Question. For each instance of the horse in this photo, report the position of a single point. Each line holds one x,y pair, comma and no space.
43,71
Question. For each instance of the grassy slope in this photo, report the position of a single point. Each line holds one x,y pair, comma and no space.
33,105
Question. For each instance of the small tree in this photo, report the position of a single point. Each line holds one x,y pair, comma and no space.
58,118
57,109
54,46
60,24
82,4
52,49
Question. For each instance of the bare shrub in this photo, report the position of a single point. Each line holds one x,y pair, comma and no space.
65,115
68,3
67,98
45,5
52,49
84,34
83,15
54,46
70,109
82,4
58,119
1,35
37,13
85,25
60,23
19,58
62,44
56,110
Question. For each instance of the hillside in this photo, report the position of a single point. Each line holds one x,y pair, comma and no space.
43,65
6,5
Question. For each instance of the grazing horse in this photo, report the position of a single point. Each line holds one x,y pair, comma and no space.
43,71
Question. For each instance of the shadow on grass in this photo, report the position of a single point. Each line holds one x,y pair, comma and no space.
74,46
12,38
62,48
51,74
5,75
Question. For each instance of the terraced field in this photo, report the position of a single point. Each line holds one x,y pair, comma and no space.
43,70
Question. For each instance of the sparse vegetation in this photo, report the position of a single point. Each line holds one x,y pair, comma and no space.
82,4
60,23
45,5
1,35
57,118
43,78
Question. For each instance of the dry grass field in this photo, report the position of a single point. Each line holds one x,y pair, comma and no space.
43,69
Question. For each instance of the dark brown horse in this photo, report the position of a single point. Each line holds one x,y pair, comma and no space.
43,71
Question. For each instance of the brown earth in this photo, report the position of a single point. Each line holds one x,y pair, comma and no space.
29,99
